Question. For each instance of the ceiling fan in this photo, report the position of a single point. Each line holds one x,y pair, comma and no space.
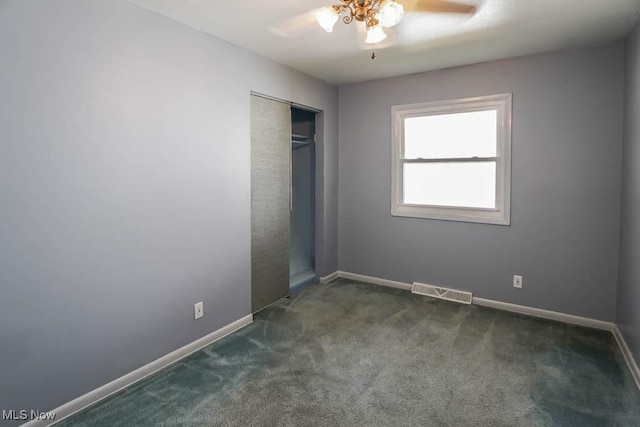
376,14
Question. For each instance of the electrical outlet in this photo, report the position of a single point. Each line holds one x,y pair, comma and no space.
517,282
198,310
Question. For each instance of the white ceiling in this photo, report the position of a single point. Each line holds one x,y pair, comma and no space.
286,31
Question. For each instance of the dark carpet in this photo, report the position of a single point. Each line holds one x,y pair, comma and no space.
355,354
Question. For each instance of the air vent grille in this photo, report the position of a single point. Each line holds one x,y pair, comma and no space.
442,293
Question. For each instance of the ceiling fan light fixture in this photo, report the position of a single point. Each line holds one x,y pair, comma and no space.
391,12
327,18
375,14
375,34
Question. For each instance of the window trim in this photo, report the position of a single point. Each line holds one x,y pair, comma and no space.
501,215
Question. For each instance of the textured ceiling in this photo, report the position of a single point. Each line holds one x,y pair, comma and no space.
285,30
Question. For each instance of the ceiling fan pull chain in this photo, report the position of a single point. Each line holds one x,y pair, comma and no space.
373,54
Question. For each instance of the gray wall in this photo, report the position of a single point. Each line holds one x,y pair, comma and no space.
124,190
567,142
628,316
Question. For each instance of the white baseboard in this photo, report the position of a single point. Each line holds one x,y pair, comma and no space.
375,280
628,356
545,314
531,311
116,385
329,278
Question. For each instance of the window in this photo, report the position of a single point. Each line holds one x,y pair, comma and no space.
452,160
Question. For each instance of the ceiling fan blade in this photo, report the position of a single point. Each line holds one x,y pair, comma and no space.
439,6
295,25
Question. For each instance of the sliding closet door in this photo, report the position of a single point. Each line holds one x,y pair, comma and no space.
270,201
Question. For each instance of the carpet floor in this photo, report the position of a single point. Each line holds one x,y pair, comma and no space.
355,354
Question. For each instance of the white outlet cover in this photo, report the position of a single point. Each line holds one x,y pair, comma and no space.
198,310
517,282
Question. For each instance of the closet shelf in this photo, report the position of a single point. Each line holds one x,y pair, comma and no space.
299,141
300,138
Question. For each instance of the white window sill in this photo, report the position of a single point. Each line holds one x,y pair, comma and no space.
484,216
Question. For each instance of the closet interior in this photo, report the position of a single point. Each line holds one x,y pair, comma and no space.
302,215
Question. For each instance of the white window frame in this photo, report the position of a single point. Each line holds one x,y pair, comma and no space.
501,215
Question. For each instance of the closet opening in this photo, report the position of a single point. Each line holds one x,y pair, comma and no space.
302,263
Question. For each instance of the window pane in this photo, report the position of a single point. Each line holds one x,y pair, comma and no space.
470,184
460,135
